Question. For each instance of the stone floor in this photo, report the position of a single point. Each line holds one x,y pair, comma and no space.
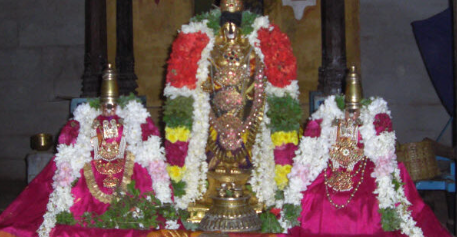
437,200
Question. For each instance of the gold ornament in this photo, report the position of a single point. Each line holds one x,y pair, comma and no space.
103,149
231,5
231,211
94,189
344,155
109,169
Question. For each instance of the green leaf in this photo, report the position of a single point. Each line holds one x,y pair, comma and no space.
339,99
179,112
124,100
247,21
65,218
365,102
390,219
94,103
212,16
74,182
269,222
285,114
178,188
291,213
279,195
131,188
397,183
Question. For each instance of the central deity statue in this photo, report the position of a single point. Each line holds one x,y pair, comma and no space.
232,115
237,97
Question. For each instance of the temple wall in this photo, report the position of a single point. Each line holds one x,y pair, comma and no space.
393,68
41,62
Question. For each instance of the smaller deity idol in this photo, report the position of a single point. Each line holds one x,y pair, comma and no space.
104,148
346,170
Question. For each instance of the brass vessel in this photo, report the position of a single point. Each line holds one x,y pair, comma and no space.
41,141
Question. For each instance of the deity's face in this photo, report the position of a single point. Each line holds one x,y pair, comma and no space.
230,31
352,114
108,109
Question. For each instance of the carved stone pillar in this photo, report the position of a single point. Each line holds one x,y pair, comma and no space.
95,55
333,69
125,61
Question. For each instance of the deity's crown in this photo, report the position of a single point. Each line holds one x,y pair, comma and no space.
231,5
353,93
110,89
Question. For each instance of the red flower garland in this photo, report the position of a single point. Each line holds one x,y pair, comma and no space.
183,62
280,62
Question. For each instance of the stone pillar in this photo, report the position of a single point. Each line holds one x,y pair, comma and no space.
125,62
95,55
333,69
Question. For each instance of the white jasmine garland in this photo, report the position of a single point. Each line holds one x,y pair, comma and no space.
262,178
171,225
291,90
313,154
77,155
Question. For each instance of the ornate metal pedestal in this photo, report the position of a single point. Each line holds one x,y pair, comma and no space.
231,212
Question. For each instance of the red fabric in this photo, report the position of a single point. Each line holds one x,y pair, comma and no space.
25,214
361,216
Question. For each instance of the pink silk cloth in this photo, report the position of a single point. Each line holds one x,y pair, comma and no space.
361,217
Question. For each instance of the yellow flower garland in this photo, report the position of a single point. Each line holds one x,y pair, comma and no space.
175,172
177,134
281,172
281,138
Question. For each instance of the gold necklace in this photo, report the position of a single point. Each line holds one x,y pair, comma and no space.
93,187
327,184
110,169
